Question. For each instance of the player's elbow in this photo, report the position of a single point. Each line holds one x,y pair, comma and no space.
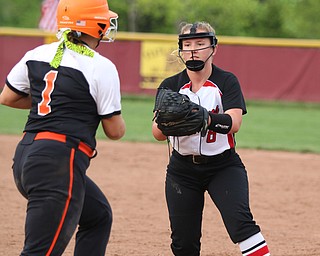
114,127
5,100
117,133
236,124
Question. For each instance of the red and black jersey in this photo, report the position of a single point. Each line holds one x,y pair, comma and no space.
219,93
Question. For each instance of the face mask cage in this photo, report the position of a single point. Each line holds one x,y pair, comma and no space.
111,32
198,49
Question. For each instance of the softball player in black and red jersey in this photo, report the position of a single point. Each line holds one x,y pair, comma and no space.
208,163
69,89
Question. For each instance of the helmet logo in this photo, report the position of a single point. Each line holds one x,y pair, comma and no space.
100,18
81,23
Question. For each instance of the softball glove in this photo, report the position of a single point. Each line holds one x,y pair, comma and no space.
177,115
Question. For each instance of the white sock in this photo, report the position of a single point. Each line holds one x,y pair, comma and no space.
254,246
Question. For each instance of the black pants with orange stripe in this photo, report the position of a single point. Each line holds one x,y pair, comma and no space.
52,176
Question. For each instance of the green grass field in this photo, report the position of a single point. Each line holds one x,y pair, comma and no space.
268,125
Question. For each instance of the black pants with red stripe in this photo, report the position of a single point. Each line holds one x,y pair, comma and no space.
226,182
52,176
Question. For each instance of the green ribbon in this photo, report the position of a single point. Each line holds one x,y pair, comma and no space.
65,43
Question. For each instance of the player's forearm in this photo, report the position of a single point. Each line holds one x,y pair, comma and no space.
11,99
229,122
23,103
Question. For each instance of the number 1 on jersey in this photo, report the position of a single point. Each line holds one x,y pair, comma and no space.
43,107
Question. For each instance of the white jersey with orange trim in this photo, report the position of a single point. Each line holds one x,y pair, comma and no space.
78,94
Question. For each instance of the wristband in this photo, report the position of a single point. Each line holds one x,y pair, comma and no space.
220,123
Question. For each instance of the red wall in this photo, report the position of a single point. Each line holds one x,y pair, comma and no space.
265,72
274,73
12,49
126,56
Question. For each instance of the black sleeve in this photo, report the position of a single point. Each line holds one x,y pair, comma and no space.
175,82
232,95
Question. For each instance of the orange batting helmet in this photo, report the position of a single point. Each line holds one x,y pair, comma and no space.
91,17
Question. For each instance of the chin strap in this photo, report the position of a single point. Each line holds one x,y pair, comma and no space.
195,65
65,43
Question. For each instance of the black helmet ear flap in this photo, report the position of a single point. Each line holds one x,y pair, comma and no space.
215,41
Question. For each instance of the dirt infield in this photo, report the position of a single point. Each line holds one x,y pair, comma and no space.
284,191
